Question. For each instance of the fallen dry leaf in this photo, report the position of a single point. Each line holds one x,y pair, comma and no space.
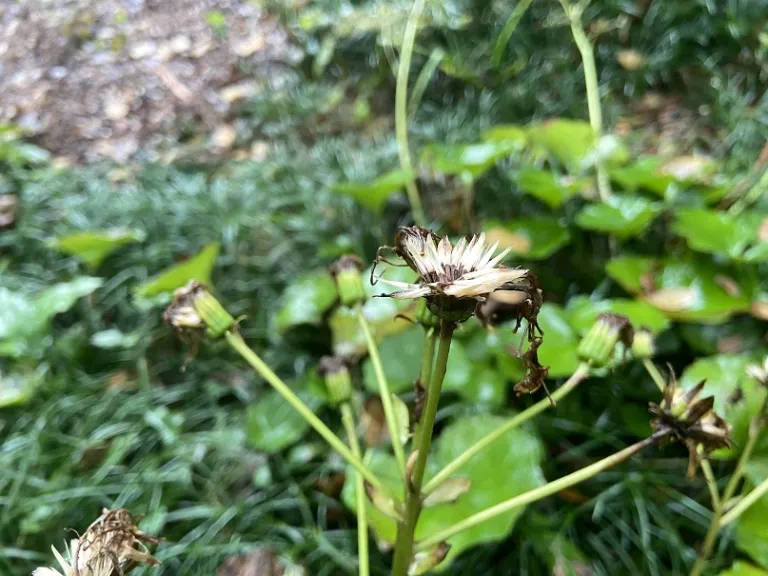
672,299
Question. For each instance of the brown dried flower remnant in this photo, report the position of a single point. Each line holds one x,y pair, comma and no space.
522,301
112,546
194,309
691,420
452,279
535,374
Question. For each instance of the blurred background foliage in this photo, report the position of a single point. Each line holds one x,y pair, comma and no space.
102,406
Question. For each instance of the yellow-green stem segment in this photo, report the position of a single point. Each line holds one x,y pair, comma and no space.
745,503
539,493
362,515
581,373
386,395
406,528
654,373
239,345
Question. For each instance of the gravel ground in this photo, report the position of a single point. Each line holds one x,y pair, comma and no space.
130,79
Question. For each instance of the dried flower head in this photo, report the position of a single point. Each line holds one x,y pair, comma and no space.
598,345
535,373
452,279
691,420
194,309
349,282
520,302
112,545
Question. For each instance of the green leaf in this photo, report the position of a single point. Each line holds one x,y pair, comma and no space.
92,248
198,267
751,527
507,133
306,300
529,238
740,568
18,388
374,194
624,216
583,311
505,469
567,140
642,175
273,424
472,160
547,186
691,290
723,234
401,356
725,375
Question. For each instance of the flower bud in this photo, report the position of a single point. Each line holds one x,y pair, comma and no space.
337,379
194,308
349,282
642,344
598,345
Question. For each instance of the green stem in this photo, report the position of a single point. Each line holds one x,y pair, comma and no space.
593,88
427,360
386,395
745,503
581,374
539,493
738,472
401,110
406,528
239,345
711,484
654,373
709,543
362,517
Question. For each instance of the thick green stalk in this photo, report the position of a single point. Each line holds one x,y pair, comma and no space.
362,515
539,493
386,395
745,503
239,345
401,110
406,528
578,376
427,360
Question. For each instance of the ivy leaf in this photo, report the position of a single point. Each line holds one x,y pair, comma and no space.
726,379
723,234
92,248
374,194
547,186
583,311
306,300
505,469
198,267
624,216
529,238
472,160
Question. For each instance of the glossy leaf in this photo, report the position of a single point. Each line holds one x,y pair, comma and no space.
273,424
740,568
720,233
198,267
529,238
547,186
726,375
467,159
374,194
583,311
505,469
751,527
690,290
567,140
624,216
92,248
306,300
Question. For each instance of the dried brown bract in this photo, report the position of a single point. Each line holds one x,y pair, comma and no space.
692,420
521,301
535,373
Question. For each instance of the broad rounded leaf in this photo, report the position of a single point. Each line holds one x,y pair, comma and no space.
630,272
624,216
306,300
582,313
548,187
529,238
720,233
751,527
727,380
198,267
93,247
505,469
273,424
567,140
375,193
471,159
740,568
644,174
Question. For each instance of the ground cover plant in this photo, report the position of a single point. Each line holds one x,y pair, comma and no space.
633,214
